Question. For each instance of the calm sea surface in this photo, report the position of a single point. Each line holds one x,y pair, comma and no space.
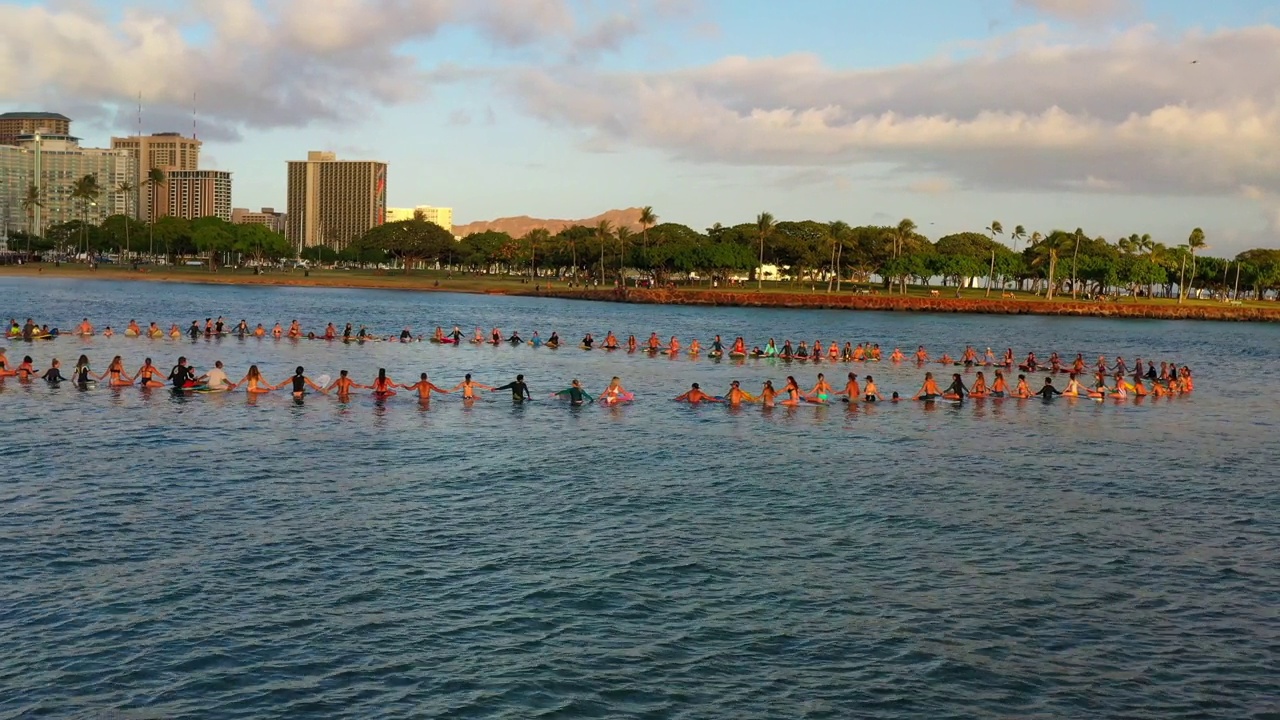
233,557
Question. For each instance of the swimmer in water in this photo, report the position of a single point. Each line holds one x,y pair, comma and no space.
615,392
957,389
468,388
871,393
1048,391
343,385
929,390
979,389
147,374
736,395
108,332
1022,392
695,396
851,392
300,383
574,393
998,386
85,329
1074,388
119,378
53,375
921,356
519,390
768,395
821,391
382,384
257,384
424,388
792,391
896,355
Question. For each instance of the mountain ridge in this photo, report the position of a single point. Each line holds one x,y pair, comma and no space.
520,225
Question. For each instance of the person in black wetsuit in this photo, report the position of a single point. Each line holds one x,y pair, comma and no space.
81,375
219,326
456,335
1048,391
300,381
515,338
957,388
182,375
519,391
53,375
406,335
194,330
588,341
553,341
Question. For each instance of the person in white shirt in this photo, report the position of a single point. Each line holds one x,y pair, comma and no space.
217,377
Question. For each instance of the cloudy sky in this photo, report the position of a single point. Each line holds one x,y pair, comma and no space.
1119,116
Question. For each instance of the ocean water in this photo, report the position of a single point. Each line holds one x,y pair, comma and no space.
223,556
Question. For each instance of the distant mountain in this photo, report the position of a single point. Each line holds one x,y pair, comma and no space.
519,226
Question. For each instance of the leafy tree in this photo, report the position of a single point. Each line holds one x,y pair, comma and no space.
410,241
648,218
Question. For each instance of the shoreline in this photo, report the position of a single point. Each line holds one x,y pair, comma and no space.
1123,309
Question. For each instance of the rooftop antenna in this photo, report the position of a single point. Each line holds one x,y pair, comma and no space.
139,113
193,116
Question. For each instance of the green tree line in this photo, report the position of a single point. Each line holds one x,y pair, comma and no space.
830,254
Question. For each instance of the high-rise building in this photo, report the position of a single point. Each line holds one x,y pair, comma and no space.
168,152
198,193
441,216
16,124
332,202
52,165
275,221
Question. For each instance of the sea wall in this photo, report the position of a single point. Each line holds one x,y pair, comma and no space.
896,303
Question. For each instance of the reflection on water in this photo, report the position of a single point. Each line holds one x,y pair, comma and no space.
233,556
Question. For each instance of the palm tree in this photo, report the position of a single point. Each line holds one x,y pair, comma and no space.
837,229
127,189
1019,233
1195,242
604,231
623,234
87,191
1079,235
1050,248
764,227
994,229
30,202
905,231
155,177
535,236
647,220
1033,241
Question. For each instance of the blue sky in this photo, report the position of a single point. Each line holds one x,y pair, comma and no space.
1045,113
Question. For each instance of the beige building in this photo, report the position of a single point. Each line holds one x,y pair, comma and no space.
275,221
441,216
53,164
16,124
332,202
198,193
167,151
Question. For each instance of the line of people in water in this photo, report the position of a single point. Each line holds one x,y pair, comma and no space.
716,348
183,377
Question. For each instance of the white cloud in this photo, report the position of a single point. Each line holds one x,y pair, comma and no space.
273,63
1127,114
931,186
1079,10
